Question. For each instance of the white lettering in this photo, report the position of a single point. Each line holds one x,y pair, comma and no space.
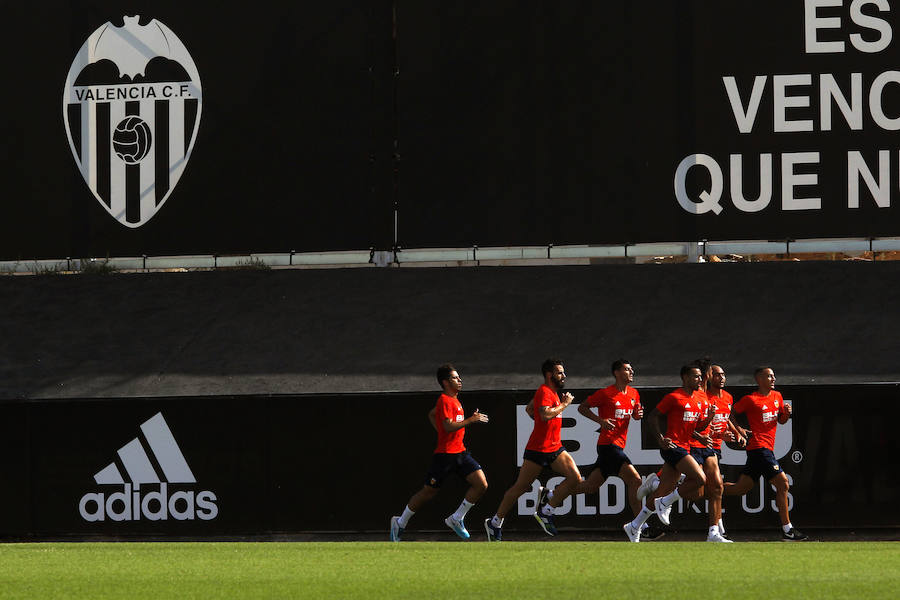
765,184
870,22
206,506
745,118
709,200
857,167
875,100
814,23
790,180
97,514
783,102
829,91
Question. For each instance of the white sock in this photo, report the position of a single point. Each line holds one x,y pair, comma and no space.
547,510
641,518
464,507
671,498
550,494
655,485
645,526
405,517
786,528
713,530
496,521
721,527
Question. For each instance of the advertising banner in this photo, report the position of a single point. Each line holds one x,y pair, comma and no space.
231,466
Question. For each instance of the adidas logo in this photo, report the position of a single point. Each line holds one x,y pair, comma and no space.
156,505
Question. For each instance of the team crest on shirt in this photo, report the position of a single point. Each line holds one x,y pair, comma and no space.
131,107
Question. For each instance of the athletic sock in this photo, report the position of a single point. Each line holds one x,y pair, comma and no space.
405,517
547,510
714,529
550,494
641,518
464,507
786,528
496,521
671,498
721,527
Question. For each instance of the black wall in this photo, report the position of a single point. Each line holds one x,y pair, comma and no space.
346,463
498,123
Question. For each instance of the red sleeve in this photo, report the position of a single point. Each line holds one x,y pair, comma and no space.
742,405
595,399
666,404
544,397
443,411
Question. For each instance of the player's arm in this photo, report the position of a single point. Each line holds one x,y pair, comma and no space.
737,435
656,419
477,417
529,408
432,419
637,412
585,410
786,412
551,412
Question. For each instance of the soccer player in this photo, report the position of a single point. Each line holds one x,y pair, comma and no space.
685,409
616,405
543,449
765,409
450,456
706,447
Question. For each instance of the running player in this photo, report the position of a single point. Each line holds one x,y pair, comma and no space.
544,449
685,408
450,456
765,409
616,405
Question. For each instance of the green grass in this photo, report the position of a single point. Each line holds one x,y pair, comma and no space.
433,570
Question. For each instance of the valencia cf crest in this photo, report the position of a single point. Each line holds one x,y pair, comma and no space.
131,107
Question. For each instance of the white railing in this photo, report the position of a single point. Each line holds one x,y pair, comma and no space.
471,256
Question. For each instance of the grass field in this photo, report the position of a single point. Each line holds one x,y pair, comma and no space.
435,570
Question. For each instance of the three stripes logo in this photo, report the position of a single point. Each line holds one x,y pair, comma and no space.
130,504
131,107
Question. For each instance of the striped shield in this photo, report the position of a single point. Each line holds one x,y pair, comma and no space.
131,107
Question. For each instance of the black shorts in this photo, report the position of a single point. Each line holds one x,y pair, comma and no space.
718,452
701,454
442,464
673,456
761,461
545,459
610,459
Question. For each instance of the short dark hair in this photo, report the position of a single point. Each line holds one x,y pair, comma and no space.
688,368
550,365
760,369
443,372
618,364
703,364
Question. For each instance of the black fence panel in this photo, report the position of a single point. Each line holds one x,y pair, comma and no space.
598,123
220,466
270,137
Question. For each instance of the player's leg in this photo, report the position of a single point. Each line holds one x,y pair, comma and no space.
565,466
713,493
740,487
591,484
418,500
694,479
477,487
782,486
528,472
629,475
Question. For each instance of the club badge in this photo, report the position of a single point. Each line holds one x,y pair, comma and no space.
131,106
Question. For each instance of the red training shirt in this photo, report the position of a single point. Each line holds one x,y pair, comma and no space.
448,407
613,404
719,424
762,414
545,436
682,413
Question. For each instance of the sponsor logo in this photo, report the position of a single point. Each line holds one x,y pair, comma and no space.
581,439
160,503
131,107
